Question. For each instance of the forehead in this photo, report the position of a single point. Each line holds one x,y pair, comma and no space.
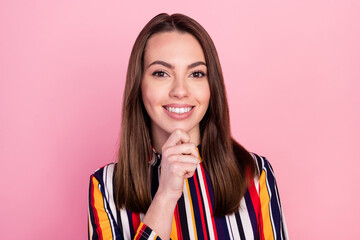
173,46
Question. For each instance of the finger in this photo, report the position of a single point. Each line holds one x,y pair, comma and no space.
176,137
189,174
189,171
184,170
184,149
183,159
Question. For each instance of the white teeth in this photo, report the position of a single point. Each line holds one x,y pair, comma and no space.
178,110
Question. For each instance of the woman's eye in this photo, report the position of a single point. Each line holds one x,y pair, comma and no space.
197,74
160,74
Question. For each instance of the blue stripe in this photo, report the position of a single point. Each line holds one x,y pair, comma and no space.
252,214
275,210
240,226
220,222
196,212
132,230
202,203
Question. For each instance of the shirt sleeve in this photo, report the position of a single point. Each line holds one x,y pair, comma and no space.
102,224
144,232
273,220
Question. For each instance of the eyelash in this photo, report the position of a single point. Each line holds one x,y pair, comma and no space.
157,74
199,72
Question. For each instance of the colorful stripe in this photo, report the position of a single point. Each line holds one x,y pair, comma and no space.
175,227
183,219
207,202
256,202
259,217
265,207
101,219
190,212
201,207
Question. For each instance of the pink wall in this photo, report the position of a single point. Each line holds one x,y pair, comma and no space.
293,78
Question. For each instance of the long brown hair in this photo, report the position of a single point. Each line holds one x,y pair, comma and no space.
227,162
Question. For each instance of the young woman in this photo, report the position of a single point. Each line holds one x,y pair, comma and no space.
179,174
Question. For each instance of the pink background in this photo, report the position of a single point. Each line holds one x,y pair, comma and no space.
292,70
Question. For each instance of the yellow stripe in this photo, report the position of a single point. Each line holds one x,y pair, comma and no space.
89,225
104,222
191,208
173,234
199,154
138,229
265,207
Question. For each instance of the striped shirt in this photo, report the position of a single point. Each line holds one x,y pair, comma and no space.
260,215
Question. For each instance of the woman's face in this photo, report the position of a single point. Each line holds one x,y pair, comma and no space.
175,87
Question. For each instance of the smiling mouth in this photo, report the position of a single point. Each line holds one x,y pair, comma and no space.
181,110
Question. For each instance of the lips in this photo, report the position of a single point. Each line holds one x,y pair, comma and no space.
179,111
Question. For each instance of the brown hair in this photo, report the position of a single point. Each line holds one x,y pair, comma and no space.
228,163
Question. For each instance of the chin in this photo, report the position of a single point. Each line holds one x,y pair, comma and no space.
182,127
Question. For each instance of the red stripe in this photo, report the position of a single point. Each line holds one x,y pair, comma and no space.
201,207
257,207
96,216
177,221
209,201
135,220
140,232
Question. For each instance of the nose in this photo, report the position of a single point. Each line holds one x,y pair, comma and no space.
179,88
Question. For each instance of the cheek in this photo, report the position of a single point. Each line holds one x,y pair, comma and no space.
149,97
205,94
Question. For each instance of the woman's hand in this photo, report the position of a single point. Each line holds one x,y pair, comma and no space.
179,161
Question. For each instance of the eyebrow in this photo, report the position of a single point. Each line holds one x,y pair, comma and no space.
168,65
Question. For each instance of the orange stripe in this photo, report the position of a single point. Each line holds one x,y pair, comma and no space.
96,218
103,221
89,227
174,233
191,208
178,223
199,154
140,231
265,207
